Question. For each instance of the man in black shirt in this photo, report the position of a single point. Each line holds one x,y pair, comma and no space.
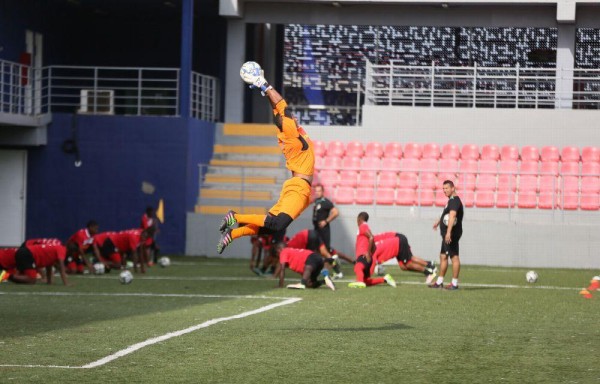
324,212
450,223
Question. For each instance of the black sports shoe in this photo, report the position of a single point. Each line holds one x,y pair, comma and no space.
451,287
436,285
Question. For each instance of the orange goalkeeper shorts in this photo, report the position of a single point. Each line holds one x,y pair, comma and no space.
293,199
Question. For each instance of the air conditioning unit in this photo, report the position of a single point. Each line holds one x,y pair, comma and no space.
99,101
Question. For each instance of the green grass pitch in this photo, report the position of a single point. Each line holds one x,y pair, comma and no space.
496,328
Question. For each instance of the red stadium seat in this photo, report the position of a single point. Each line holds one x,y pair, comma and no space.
590,155
319,148
335,148
569,154
431,151
364,195
530,153
548,198
351,162
385,196
344,195
550,153
569,199
440,198
348,178
469,152
388,179
354,148
529,167
508,170
449,165
509,152
374,149
488,166
425,197
370,164
319,162
570,175
426,181
428,165
451,151
490,152
468,166
486,182
505,197
528,175
549,168
410,165
391,164
413,151
407,180
393,150
332,162
406,197
328,177
527,198
590,169
484,199
367,178
467,197
507,183
466,181
590,192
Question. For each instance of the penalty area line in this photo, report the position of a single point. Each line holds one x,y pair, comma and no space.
167,336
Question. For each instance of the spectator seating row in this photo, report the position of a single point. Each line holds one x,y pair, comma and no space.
394,150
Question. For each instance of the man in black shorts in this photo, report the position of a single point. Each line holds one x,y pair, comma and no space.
450,224
324,212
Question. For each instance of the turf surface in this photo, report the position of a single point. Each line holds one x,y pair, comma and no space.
496,328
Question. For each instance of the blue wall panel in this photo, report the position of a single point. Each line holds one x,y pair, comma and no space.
118,154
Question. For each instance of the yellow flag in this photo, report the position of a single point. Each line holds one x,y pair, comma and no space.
160,212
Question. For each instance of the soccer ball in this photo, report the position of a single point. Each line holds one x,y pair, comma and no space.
445,220
125,277
379,270
164,261
531,276
98,269
250,71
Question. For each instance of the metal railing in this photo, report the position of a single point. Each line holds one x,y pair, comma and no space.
25,90
482,87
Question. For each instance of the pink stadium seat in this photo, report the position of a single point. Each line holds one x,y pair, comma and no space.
469,152
570,175
550,153
490,152
590,169
406,197
391,164
508,170
425,197
426,181
328,177
407,180
590,201
344,195
467,197
413,151
507,183
528,175
450,151
530,153
527,198
488,166
431,151
440,199
466,181
367,178
364,195
548,198
468,166
569,168
392,149
388,179
486,182
449,165
319,148
590,155
348,178
351,162
385,196
428,165
354,148
319,162
410,164
529,167
370,164
332,162
335,149
509,152
549,168
569,199
505,197
374,149
484,199
549,183
569,154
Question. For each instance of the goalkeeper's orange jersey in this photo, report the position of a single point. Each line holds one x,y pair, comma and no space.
295,144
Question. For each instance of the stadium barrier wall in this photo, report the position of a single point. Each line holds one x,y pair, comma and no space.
118,154
484,241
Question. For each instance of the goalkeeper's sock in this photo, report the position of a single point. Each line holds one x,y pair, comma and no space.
258,220
247,230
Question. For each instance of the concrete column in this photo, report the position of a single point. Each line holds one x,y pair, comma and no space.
185,76
234,86
565,62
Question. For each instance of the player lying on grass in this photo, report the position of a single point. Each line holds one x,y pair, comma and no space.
29,258
297,149
305,262
111,248
77,245
365,246
398,247
310,239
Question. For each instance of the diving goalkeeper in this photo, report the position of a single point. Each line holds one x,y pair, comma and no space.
297,149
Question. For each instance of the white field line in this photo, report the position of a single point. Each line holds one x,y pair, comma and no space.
225,278
186,295
167,336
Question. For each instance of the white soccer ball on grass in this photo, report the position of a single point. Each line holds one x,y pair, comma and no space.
99,269
164,261
379,270
531,277
125,277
